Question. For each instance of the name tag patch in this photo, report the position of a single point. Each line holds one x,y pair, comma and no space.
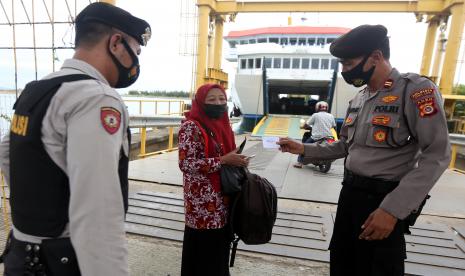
387,108
19,124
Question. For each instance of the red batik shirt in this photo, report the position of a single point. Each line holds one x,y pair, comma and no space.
205,206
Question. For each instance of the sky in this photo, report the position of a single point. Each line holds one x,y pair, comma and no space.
164,65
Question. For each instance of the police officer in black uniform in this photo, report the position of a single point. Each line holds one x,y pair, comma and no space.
396,145
66,157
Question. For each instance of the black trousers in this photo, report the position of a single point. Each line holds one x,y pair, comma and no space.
205,252
22,259
351,256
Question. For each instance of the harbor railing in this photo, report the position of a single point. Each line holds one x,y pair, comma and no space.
457,142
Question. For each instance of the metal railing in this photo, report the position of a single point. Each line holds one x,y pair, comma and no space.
6,216
457,142
159,121
166,106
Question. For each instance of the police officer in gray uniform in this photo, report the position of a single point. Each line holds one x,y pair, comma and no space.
396,145
66,157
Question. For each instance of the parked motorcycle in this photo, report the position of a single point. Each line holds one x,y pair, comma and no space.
324,165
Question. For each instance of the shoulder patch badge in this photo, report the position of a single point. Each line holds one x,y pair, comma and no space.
111,119
421,93
389,99
380,136
427,107
349,120
382,120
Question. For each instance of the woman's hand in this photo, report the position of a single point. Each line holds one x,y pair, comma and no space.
234,159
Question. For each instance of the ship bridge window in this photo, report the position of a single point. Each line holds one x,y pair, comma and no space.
277,63
283,41
232,43
274,40
305,63
244,42
324,63
295,63
252,41
330,40
286,63
320,41
315,63
250,63
268,62
261,40
243,63
333,64
293,40
302,41
311,41
258,63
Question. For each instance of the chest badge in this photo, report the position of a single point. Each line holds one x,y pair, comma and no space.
388,83
111,119
390,99
380,136
382,120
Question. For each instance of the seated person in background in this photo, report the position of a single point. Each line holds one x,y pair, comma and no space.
320,125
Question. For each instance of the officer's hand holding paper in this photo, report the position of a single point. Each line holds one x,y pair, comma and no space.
289,145
270,142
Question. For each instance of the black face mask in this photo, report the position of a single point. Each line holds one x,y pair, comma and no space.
356,76
215,111
127,76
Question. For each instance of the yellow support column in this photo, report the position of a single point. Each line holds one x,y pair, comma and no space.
453,157
171,138
452,48
113,2
202,45
143,140
218,52
429,47
440,49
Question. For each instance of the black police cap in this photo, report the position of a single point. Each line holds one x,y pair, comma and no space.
359,41
115,17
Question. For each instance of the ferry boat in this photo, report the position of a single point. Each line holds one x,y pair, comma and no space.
283,71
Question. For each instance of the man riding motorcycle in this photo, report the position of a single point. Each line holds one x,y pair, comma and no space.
320,125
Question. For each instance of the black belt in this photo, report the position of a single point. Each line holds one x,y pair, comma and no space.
368,184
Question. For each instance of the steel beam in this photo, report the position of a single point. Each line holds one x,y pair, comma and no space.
429,47
202,44
218,42
452,48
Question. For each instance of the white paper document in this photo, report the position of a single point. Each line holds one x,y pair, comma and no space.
269,142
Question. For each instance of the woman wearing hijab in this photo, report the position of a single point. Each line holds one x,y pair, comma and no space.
206,142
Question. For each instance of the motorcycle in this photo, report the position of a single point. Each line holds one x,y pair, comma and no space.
323,165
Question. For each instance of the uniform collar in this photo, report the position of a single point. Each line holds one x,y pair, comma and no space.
84,67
